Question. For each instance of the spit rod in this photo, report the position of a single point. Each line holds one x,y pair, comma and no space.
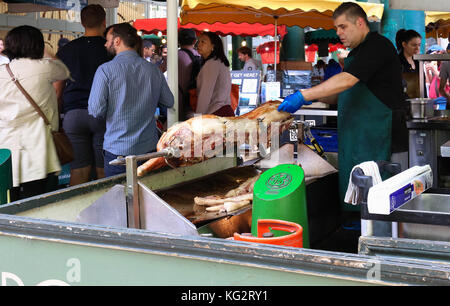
168,152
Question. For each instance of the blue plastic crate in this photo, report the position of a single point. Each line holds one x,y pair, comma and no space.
326,137
440,104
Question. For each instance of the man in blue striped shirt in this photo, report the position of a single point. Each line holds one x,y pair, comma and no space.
126,92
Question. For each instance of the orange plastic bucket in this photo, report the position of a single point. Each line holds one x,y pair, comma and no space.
294,239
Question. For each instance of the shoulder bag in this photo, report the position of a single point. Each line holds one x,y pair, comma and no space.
62,143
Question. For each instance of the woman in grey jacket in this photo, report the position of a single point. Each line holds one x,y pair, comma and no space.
213,80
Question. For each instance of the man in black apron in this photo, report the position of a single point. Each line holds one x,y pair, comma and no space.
371,107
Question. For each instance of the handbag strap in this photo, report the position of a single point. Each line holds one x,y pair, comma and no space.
25,93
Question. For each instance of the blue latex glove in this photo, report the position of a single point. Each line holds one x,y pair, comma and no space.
293,102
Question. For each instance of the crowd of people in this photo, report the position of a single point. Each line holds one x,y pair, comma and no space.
99,84
107,85
103,90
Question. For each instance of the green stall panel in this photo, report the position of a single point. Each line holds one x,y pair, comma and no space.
37,252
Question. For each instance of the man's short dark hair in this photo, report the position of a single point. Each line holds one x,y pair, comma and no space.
187,37
24,42
245,50
147,43
127,33
92,16
352,12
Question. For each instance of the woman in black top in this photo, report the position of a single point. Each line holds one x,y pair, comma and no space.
408,43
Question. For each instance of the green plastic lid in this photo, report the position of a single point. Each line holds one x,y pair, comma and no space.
278,182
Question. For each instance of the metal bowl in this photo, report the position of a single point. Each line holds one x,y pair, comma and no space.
421,108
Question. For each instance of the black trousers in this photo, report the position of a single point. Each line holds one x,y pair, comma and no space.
34,188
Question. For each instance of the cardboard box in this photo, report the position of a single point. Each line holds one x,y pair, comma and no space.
294,65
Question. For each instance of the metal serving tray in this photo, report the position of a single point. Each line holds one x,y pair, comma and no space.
429,206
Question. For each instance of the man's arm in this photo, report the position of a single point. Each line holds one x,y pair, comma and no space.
333,99
166,98
98,98
327,91
59,88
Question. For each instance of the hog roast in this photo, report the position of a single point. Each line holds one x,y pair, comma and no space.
207,136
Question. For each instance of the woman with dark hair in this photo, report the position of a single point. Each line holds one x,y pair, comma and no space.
408,43
22,130
213,80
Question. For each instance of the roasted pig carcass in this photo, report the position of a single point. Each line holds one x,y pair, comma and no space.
206,136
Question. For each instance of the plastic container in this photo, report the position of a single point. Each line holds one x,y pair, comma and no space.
326,137
440,104
294,238
396,191
280,193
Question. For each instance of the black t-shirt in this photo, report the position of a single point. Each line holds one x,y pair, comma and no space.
408,69
377,65
82,56
406,66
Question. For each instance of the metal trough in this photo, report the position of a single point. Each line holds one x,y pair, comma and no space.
429,206
42,242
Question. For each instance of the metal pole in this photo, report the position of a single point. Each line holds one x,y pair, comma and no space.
172,58
421,79
276,39
225,45
132,193
366,228
111,16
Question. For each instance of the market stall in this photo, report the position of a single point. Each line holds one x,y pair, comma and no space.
154,228
111,254
132,227
315,14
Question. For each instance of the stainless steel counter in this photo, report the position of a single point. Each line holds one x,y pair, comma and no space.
427,124
316,112
302,112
